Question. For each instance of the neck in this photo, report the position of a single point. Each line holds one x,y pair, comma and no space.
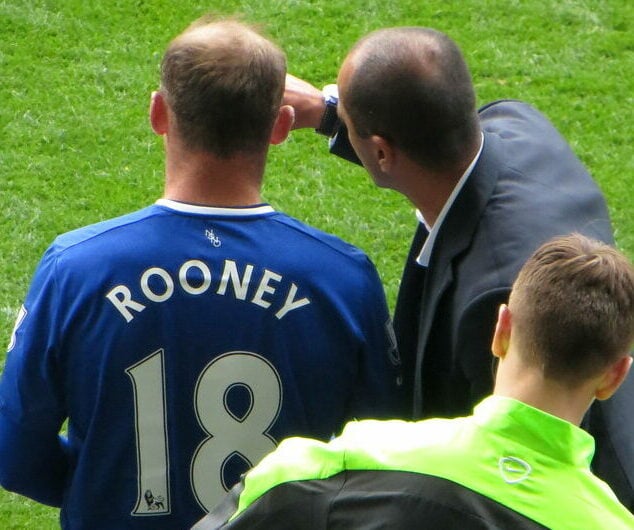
204,179
516,380
429,193
430,190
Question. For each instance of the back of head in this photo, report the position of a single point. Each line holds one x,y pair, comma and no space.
223,82
412,86
572,307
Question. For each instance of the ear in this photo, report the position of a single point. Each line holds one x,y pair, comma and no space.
283,124
158,113
612,378
384,153
502,335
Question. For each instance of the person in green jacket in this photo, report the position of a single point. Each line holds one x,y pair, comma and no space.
520,461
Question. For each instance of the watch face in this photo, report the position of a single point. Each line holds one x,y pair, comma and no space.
331,93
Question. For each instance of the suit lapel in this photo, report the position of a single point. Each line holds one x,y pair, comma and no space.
407,311
453,239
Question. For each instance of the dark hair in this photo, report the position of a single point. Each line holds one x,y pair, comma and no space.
224,83
412,86
572,307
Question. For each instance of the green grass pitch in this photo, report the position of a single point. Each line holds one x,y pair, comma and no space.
76,147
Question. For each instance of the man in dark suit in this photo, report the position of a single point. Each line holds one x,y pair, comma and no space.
490,186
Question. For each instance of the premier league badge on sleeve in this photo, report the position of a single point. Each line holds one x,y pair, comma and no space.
18,321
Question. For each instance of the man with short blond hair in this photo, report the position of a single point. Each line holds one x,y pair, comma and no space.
183,341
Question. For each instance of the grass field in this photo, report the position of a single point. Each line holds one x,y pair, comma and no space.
76,148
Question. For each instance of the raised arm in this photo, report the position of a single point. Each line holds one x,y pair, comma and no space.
307,100
315,110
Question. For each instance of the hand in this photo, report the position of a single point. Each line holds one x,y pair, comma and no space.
307,100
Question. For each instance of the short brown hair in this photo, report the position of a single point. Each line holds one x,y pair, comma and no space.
224,83
412,86
572,308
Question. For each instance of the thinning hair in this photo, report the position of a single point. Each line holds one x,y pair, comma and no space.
412,86
572,307
224,83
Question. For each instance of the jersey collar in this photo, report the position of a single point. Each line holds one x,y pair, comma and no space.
214,210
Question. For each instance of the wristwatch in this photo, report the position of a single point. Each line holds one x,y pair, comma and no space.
329,120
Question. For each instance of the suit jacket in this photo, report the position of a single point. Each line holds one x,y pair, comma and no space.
526,187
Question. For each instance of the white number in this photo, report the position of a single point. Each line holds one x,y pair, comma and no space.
232,434
148,381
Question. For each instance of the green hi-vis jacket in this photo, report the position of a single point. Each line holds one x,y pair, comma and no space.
507,466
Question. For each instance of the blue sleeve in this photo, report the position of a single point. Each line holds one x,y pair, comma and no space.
33,460
340,146
378,391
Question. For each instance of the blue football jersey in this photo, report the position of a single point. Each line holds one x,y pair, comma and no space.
182,343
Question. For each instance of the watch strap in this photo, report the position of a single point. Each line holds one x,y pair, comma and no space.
329,120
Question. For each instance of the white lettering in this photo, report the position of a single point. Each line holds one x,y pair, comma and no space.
145,284
124,302
265,288
194,277
230,272
202,267
291,303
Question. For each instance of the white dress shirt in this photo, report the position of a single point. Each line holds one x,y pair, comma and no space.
425,253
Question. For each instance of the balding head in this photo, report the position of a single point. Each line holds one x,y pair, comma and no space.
223,82
412,86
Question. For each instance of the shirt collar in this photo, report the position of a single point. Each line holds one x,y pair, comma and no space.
213,210
537,429
425,253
